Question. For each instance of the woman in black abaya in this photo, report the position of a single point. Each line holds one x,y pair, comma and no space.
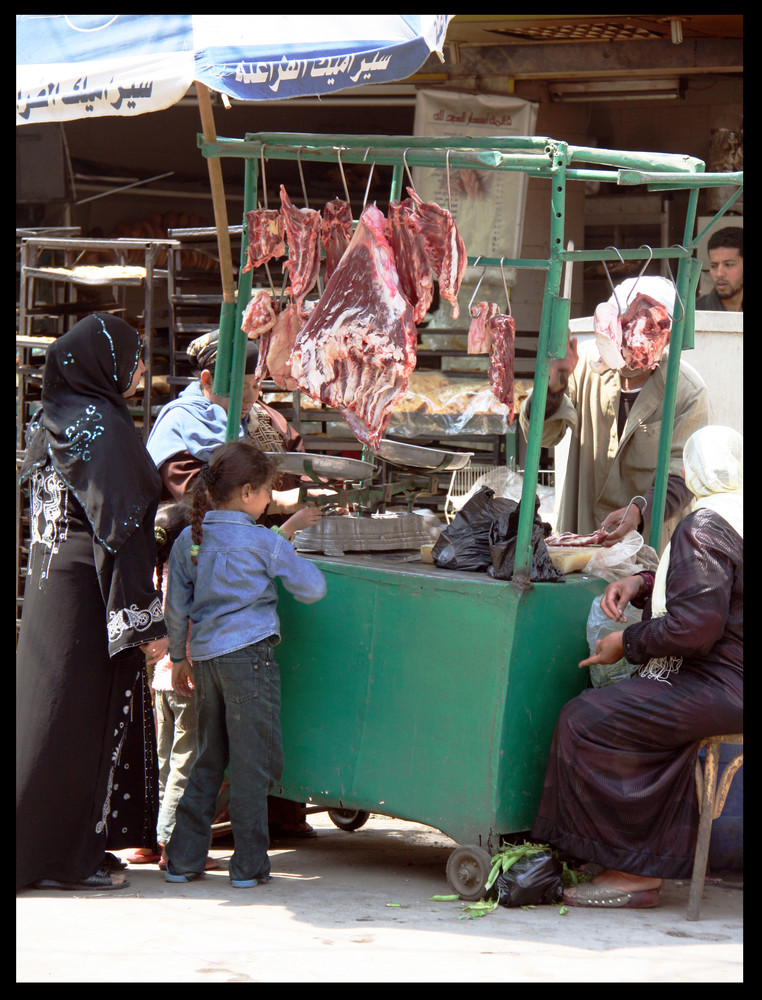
619,788
86,778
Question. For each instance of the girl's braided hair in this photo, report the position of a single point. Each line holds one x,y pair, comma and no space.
232,466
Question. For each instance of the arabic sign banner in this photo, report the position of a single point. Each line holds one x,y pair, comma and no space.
487,205
72,66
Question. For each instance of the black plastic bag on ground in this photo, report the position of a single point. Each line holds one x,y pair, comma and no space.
465,542
531,881
503,532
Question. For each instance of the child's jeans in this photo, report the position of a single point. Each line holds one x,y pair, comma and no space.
238,716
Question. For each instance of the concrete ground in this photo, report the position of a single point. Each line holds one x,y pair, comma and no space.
356,907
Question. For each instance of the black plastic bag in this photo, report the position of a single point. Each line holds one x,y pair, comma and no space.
531,881
503,533
465,542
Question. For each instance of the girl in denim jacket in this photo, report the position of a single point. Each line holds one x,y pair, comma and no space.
222,573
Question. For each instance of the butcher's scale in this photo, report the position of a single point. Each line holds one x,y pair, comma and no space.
355,500
537,157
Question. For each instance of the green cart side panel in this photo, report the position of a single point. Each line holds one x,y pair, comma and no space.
428,695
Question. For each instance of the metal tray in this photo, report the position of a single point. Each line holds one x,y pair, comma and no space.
413,456
325,466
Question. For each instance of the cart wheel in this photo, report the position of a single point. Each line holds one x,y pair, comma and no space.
468,869
348,819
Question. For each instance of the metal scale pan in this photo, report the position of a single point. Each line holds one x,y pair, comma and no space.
411,456
329,467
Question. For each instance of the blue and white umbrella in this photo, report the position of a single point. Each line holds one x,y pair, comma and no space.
71,66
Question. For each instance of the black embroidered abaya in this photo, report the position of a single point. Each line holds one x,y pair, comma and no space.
86,777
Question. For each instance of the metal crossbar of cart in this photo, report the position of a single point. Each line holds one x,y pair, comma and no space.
427,694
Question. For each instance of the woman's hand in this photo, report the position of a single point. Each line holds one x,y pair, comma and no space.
155,650
609,649
182,677
618,595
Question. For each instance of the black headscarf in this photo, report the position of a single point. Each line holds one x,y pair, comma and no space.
86,429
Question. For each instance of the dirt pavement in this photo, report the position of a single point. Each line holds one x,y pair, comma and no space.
356,907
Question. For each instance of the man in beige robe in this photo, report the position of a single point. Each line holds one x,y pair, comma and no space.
615,417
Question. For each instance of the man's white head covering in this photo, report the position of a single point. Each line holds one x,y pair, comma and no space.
654,287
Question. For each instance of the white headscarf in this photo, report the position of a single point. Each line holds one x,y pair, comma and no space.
713,462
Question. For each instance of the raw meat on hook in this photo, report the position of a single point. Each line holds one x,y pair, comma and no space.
444,247
303,237
357,350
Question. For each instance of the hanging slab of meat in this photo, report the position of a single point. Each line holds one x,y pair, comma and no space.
413,266
502,357
267,238
444,247
607,327
479,333
282,340
645,333
259,316
303,236
336,232
357,350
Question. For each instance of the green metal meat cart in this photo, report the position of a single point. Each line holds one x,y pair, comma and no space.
419,692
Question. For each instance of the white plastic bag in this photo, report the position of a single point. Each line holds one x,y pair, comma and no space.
629,556
598,625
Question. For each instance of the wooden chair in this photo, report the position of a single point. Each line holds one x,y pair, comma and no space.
711,796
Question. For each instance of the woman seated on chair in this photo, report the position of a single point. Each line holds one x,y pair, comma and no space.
619,787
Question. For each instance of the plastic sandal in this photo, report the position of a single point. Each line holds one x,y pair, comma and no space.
143,859
182,877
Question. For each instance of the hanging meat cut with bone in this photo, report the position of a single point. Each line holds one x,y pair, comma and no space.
266,237
303,227
502,357
357,350
259,315
281,344
479,332
444,247
635,340
336,232
413,266
645,333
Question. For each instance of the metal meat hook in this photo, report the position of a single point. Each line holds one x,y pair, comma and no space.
676,246
505,286
606,269
264,178
370,177
301,175
476,262
449,196
643,246
409,172
341,168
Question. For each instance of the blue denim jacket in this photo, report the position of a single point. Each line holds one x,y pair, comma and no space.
230,595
